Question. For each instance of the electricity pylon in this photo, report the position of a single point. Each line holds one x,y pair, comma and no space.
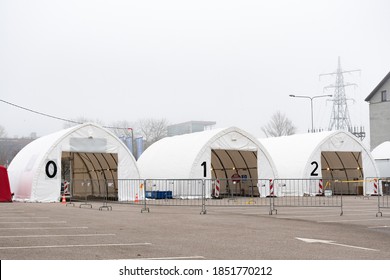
340,119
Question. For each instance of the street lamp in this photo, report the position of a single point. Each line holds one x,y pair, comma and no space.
311,104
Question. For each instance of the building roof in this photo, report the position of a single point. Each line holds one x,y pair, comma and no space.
368,98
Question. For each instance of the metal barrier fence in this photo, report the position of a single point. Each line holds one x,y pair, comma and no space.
205,193
382,185
230,193
306,193
130,191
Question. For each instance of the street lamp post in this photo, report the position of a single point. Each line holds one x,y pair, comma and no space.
311,104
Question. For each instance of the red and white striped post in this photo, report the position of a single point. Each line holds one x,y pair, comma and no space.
375,186
217,188
271,187
320,187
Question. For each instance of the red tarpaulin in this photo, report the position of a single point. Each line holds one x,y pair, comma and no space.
5,191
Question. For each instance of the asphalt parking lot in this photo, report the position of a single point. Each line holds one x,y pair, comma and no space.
44,231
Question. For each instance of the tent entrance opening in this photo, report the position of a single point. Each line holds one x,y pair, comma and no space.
346,169
92,175
236,170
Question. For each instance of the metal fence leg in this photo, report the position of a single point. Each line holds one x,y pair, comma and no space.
272,206
204,211
144,208
379,207
105,203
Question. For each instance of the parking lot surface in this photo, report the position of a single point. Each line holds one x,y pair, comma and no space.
43,231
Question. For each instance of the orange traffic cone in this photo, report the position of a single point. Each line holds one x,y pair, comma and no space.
136,198
63,201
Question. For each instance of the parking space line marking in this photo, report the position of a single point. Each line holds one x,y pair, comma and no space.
346,221
72,246
319,216
55,222
174,258
18,217
330,242
59,235
380,227
44,228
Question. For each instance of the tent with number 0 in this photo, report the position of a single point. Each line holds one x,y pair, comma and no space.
333,159
89,157
231,158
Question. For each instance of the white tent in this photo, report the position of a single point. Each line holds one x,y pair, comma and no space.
336,155
381,154
89,156
211,154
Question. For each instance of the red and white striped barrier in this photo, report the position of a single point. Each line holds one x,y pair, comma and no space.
375,186
320,187
271,187
66,187
217,188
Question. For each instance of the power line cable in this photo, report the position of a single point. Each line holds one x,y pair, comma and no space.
55,117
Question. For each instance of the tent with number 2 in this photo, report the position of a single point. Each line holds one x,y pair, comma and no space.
337,158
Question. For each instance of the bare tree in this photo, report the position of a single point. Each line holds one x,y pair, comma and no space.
152,130
3,152
122,128
3,133
279,125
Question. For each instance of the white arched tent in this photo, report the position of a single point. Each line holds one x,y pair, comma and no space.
331,155
381,154
211,154
92,158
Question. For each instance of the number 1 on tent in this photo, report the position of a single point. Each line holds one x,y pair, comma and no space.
204,169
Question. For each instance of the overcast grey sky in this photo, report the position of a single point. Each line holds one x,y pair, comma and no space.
233,62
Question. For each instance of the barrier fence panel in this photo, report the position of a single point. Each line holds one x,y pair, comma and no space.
107,191
383,192
163,192
237,193
207,193
305,193
204,193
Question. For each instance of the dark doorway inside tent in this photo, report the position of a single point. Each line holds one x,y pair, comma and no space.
90,175
344,170
236,171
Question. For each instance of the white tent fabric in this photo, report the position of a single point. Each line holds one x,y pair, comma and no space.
381,154
181,157
297,156
35,172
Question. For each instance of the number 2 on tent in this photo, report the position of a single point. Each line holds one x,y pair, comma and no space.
314,172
